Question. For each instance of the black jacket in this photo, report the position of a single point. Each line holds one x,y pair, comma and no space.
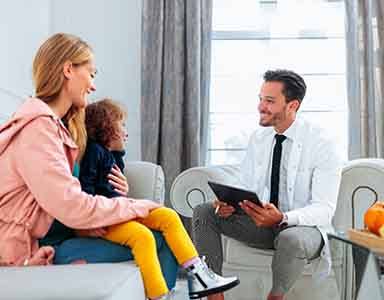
95,166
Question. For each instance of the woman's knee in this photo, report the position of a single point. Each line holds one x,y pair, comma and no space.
92,250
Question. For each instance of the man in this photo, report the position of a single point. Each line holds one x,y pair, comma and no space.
296,171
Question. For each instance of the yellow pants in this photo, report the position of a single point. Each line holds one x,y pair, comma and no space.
137,235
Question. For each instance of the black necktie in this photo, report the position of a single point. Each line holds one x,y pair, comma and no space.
275,173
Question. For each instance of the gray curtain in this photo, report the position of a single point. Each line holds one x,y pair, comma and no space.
176,47
365,67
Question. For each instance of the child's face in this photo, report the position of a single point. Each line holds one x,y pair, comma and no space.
117,142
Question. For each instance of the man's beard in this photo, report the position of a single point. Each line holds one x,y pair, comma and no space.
273,120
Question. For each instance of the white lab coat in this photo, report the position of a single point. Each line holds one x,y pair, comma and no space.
313,178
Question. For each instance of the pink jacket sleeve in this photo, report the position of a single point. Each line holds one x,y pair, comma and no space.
42,163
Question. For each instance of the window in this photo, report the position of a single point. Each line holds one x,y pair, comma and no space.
306,36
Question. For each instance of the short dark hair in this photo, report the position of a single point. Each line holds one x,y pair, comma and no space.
294,86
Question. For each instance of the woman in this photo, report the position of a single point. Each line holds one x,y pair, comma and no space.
63,74
37,155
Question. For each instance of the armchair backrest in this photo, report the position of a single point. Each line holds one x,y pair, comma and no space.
362,184
190,188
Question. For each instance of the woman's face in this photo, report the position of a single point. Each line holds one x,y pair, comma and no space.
80,84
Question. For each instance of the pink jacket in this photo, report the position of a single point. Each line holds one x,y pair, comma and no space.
37,155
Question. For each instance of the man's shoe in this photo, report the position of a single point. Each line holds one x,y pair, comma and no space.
202,281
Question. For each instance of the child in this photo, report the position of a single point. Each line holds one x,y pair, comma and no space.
105,151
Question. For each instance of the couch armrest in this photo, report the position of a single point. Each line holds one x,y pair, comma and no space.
106,281
190,188
146,180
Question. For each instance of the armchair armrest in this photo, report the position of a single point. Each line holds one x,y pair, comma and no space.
190,188
146,180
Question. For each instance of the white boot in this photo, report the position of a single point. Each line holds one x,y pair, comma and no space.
202,281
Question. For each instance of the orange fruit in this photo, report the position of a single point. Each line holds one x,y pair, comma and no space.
374,217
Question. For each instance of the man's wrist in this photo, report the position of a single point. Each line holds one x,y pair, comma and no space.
293,217
284,221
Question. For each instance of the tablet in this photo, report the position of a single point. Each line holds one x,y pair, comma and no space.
233,195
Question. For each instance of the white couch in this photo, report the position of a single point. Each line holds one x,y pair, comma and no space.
118,281
359,179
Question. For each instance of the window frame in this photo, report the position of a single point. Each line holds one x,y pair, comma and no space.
243,35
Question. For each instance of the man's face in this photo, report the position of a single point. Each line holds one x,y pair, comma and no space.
273,108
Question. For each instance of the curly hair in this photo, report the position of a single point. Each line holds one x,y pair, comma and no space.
101,119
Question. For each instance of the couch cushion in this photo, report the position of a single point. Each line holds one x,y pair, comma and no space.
81,282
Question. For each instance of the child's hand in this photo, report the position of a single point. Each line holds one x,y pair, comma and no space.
118,181
43,256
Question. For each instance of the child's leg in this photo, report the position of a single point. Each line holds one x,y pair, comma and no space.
202,281
168,222
142,242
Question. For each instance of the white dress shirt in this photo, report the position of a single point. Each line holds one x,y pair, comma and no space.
310,174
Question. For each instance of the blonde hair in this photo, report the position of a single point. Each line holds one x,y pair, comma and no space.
75,121
48,77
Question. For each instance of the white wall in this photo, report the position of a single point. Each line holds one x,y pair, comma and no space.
113,29
23,24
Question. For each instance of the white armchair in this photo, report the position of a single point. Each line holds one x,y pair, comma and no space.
118,281
252,265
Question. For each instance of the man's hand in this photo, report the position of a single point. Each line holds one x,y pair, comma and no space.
266,216
222,209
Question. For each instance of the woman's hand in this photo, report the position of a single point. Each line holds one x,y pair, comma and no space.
97,232
43,256
118,181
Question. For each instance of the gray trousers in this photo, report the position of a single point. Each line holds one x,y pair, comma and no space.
294,246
